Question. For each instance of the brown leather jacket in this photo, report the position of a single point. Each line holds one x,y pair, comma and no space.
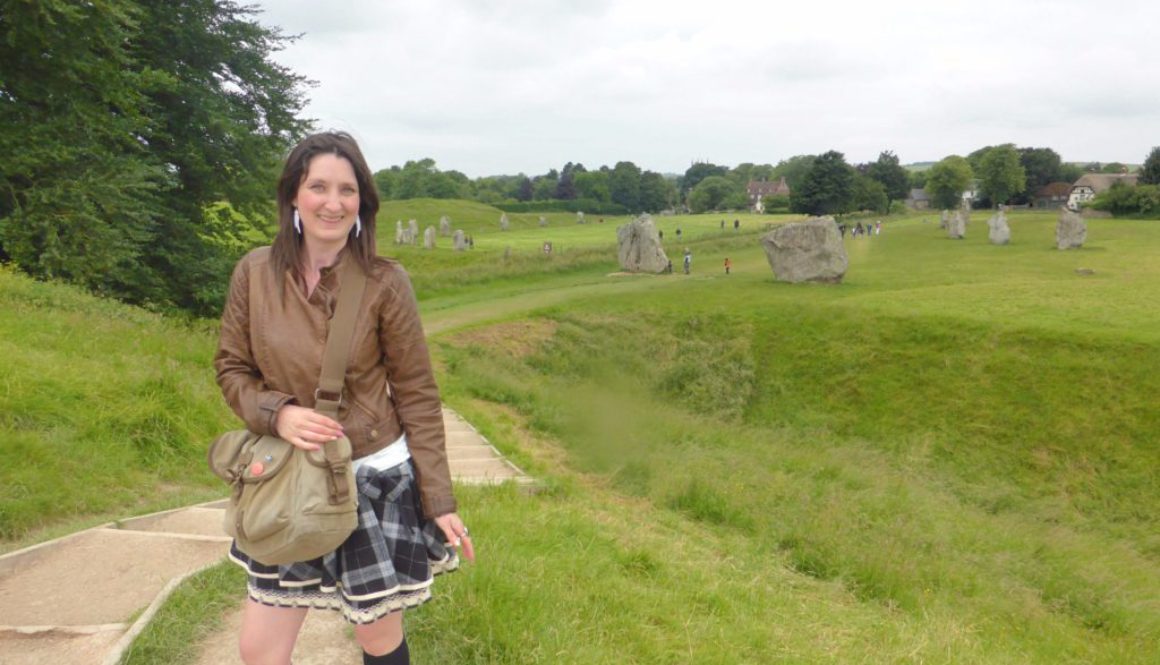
270,354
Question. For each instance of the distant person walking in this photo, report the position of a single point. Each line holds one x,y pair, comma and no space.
728,265
688,260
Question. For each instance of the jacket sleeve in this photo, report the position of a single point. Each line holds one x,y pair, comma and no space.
237,372
415,394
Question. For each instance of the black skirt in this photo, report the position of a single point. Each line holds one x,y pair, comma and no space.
386,565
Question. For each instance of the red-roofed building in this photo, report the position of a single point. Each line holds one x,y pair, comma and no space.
1052,196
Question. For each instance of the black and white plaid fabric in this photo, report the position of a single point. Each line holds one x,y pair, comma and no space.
386,565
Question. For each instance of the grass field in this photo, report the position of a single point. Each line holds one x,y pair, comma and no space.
948,458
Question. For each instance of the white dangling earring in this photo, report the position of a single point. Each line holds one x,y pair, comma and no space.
357,226
297,222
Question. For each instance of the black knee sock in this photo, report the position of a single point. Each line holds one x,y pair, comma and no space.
400,656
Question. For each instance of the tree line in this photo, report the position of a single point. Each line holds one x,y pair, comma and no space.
822,184
126,127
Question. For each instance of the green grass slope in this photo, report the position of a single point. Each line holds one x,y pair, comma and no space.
104,409
951,457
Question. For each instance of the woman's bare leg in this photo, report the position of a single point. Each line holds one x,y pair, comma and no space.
268,633
382,636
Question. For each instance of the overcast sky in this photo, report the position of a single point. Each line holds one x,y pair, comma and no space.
492,87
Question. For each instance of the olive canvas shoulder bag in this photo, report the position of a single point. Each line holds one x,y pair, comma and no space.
288,504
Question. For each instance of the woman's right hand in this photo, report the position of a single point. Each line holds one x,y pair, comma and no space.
306,428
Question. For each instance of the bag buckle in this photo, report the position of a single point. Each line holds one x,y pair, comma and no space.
327,395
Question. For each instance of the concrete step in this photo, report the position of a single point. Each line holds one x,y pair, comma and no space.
71,600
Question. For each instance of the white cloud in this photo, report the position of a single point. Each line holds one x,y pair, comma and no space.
519,85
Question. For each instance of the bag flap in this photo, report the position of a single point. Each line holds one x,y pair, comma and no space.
268,455
225,453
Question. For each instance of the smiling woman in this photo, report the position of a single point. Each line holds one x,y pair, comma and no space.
274,341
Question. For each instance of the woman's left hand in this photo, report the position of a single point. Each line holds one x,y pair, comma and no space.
455,534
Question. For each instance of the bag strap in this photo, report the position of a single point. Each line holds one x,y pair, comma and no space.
352,283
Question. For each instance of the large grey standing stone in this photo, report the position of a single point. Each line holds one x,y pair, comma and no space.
429,238
398,231
957,225
1071,231
580,217
413,236
944,218
503,222
809,251
543,221
1000,232
459,242
444,226
639,246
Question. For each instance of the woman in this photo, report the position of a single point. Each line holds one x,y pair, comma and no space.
268,363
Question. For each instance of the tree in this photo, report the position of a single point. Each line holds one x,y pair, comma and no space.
526,190
566,187
827,188
918,178
124,125
1114,167
890,174
1070,172
70,105
947,181
1150,171
1043,166
712,193
1001,174
793,170
656,192
593,185
775,203
698,172
544,187
624,185
869,194
386,181
743,173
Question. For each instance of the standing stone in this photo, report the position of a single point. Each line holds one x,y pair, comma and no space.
444,226
398,231
944,218
1000,233
503,222
459,242
429,238
809,251
580,217
639,247
957,225
413,238
543,222
1071,231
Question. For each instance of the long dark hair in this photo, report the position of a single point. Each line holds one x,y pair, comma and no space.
286,251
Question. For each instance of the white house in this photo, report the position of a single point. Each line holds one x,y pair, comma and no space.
1090,184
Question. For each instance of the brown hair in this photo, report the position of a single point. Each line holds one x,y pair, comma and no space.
286,251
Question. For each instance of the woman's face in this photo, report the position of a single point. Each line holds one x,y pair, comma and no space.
327,200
